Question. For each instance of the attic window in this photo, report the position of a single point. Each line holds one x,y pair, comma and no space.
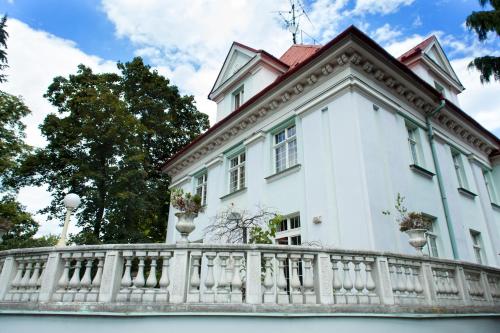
238,97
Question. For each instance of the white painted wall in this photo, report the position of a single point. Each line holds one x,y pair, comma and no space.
354,160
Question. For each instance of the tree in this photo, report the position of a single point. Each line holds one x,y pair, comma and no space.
482,23
21,227
3,46
235,226
107,143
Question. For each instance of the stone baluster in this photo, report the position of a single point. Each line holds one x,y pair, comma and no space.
209,294
309,294
93,294
370,283
452,282
295,286
401,279
347,282
337,281
269,296
223,284
63,282
86,282
359,285
410,288
139,281
281,283
236,282
24,294
74,283
437,282
151,281
126,282
33,282
163,294
416,280
193,295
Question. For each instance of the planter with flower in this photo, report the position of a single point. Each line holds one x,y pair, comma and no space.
415,224
189,206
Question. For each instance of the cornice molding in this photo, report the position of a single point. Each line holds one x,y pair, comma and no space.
309,78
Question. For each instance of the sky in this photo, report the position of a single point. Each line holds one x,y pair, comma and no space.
187,42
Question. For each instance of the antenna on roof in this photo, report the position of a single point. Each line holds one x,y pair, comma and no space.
291,18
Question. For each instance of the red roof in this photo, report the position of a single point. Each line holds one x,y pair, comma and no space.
298,53
417,49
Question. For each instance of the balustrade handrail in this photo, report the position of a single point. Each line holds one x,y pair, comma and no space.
258,274
242,247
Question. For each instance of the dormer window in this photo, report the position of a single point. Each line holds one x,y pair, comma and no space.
238,97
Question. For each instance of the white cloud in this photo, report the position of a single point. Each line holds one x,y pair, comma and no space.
190,47
417,22
35,58
385,34
379,7
397,48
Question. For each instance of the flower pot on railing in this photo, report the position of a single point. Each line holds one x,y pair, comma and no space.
189,206
417,239
185,225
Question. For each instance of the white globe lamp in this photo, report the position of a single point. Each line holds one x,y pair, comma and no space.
71,202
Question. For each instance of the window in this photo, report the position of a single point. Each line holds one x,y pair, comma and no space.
413,143
201,187
285,148
490,186
476,244
432,248
238,97
289,231
237,172
459,169
439,87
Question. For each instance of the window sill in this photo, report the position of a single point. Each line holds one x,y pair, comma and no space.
422,171
235,193
283,173
495,205
467,193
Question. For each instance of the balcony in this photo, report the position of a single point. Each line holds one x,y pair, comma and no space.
259,279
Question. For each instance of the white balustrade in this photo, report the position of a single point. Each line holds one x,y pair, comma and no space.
220,274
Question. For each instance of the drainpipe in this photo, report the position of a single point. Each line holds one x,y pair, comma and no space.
430,133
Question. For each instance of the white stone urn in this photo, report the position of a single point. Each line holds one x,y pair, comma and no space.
417,239
185,225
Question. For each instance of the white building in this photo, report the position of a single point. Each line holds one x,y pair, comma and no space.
328,136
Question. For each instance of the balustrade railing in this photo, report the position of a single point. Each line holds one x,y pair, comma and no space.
240,274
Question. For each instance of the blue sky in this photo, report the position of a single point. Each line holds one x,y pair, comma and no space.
187,41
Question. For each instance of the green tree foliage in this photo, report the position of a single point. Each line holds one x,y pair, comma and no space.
482,23
22,227
3,46
107,143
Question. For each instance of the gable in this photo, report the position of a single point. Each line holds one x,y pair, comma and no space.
436,53
237,60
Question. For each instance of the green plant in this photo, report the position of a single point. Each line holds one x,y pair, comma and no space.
409,220
186,202
260,235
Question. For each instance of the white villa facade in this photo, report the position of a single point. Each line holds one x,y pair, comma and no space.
328,136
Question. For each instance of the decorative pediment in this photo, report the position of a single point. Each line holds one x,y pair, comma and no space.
238,56
435,52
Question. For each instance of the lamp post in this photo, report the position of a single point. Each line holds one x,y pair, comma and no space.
71,201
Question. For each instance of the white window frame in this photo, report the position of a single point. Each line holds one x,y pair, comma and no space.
490,186
239,168
290,233
238,97
412,133
289,140
459,167
477,246
201,187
